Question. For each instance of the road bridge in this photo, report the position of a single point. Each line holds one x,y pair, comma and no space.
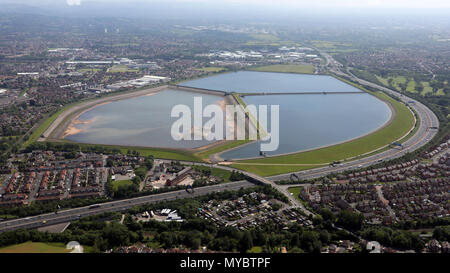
301,93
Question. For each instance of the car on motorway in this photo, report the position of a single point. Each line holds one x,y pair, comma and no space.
44,222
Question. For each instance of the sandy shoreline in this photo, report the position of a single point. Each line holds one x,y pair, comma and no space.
72,129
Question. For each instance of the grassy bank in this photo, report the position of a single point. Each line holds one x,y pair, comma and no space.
155,152
44,125
220,148
33,247
286,68
224,174
121,183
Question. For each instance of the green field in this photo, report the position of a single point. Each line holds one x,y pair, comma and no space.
121,183
286,68
121,69
33,247
155,152
265,37
396,81
334,48
411,85
329,44
224,174
255,249
426,88
400,125
295,192
162,153
211,69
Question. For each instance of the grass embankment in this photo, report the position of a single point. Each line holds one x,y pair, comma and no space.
144,151
224,174
162,153
220,148
34,247
44,125
399,126
286,68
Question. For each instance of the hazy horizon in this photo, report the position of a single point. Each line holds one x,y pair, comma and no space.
367,7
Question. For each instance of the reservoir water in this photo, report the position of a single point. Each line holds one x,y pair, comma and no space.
256,82
306,121
312,121
140,121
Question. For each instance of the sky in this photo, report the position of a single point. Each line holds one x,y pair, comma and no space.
249,10
316,3
365,4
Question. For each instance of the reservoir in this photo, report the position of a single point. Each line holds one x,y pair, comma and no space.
256,82
313,121
307,121
140,121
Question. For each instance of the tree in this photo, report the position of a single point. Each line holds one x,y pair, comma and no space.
324,236
307,241
442,233
350,220
261,238
317,220
327,214
168,239
295,240
246,242
116,235
401,241
100,244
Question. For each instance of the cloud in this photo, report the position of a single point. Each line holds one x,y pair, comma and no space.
73,2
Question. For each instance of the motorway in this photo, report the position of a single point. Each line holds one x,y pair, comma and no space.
294,203
120,205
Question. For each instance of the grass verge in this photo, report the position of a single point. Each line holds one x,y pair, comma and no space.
35,247
286,68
